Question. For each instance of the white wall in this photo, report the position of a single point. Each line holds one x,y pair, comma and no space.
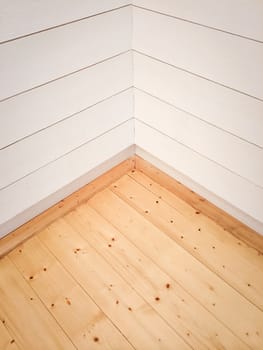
199,92
17,19
66,98
240,17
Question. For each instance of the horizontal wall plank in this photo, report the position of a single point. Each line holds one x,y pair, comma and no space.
34,110
32,153
48,180
37,59
240,17
233,112
229,60
229,151
229,217
45,212
232,188
19,18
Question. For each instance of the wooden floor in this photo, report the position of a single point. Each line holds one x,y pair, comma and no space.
135,267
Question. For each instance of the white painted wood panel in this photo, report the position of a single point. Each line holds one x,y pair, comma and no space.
49,144
234,112
232,188
223,148
18,18
229,60
201,190
37,59
65,191
48,180
29,112
241,17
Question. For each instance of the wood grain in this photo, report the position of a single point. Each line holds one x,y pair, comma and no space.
195,234
124,263
18,236
192,321
28,320
73,309
118,300
227,222
242,318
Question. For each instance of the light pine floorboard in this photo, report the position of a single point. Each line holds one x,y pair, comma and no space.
135,267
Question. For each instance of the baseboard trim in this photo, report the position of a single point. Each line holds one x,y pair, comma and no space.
45,212
34,219
232,219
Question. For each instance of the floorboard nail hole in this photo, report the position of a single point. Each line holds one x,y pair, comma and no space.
68,301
